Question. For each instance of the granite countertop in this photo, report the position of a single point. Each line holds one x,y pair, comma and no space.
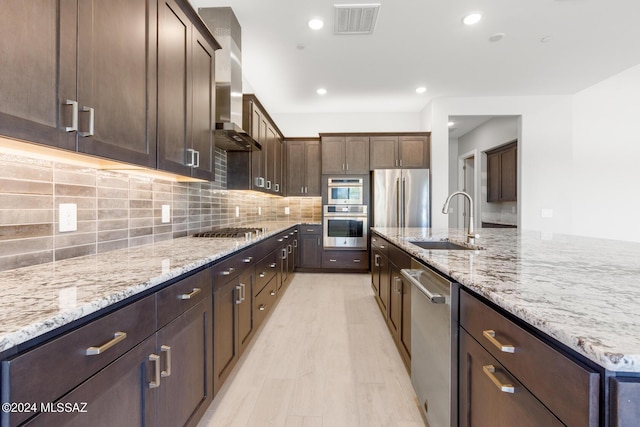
584,292
40,298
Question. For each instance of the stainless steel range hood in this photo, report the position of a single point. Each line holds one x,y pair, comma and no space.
225,27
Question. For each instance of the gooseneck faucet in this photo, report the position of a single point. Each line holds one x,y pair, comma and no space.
470,229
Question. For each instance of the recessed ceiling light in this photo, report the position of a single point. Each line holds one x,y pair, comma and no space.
472,18
496,37
450,124
316,24
546,39
321,91
421,89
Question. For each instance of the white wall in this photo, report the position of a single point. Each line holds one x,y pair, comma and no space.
306,125
606,151
544,152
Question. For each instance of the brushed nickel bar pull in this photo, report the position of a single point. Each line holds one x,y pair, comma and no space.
295,243
92,116
156,360
272,293
239,289
74,116
117,337
190,295
247,260
491,336
229,271
262,307
261,275
489,371
197,165
167,371
272,265
376,260
192,163
356,260
276,188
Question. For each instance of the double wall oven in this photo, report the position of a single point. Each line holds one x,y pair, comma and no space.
345,216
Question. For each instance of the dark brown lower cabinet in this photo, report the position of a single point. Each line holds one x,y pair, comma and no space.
185,350
310,241
490,396
119,395
246,321
225,331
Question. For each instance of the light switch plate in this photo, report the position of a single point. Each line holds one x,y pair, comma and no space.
287,210
259,210
67,217
166,214
237,211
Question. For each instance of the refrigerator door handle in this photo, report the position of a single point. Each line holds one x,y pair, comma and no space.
398,204
404,201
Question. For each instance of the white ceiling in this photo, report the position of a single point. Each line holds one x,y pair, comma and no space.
423,43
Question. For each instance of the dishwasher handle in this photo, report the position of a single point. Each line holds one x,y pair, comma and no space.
412,276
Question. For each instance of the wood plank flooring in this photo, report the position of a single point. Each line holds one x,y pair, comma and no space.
324,358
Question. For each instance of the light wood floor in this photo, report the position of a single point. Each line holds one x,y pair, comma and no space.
324,358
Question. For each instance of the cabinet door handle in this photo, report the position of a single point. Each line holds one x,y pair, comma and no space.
347,166
280,240
318,241
117,337
310,230
261,275
302,190
491,336
239,289
356,260
156,380
244,291
396,288
332,260
92,117
247,260
191,294
229,271
295,243
268,185
262,307
167,365
290,248
376,260
284,253
195,158
272,265
276,188
74,116
489,371
272,293
260,182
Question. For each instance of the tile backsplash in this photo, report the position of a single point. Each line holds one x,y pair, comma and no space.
118,209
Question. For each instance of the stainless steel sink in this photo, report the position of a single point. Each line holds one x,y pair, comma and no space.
440,244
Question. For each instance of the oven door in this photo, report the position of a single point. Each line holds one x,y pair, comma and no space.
345,231
344,195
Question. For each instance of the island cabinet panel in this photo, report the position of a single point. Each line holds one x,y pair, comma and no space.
568,388
483,403
625,393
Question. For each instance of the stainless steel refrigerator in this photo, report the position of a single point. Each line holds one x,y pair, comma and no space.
401,198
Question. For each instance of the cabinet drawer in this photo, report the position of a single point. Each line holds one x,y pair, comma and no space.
269,245
399,257
181,296
64,361
379,243
568,389
265,270
357,260
311,229
265,301
233,266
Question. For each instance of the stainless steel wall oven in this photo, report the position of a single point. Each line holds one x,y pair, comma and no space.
345,226
345,191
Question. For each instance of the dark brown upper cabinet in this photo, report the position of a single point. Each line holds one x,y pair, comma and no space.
80,75
399,151
185,94
342,154
502,173
303,160
260,170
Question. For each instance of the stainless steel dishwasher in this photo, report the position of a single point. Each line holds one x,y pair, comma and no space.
432,344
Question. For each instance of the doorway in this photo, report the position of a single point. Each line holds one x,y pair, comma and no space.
467,179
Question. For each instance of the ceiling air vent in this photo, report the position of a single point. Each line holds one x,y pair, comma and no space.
355,18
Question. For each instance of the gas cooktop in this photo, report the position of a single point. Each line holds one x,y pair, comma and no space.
229,232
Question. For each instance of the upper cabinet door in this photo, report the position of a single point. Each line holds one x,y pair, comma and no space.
333,154
116,80
384,152
30,105
203,104
357,155
413,152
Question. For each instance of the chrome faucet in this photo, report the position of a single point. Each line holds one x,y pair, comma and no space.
470,229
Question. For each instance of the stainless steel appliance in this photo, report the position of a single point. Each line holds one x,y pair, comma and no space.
345,226
433,369
345,191
401,198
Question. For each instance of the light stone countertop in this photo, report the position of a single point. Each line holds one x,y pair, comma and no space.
584,292
40,298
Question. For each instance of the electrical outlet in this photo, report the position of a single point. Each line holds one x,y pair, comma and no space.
166,214
237,211
259,210
287,210
67,217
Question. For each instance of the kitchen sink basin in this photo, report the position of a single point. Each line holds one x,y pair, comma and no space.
440,244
